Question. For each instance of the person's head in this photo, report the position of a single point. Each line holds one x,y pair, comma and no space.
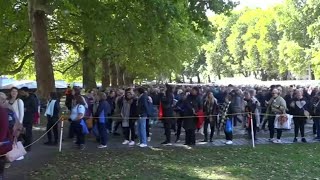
112,94
210,95
79,100
14,92
3,98
299,93
247,95
140,91
53,95
76,91
101,96
195,91
169,89
252,92
128,94
24,91
275,93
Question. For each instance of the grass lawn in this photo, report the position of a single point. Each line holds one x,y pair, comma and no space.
298,161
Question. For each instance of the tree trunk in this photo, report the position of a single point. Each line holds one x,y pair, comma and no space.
198,77
113,74
105,74
89,70
121,77
209,79
129,79
42,56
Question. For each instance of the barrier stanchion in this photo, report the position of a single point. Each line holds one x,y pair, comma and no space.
63,118
252,133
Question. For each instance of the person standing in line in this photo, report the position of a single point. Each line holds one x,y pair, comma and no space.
30,108
211,110
128,124
52,114
180,112
77,122
5,135
143,112
166,100
16,103
192,106
102,112
299,105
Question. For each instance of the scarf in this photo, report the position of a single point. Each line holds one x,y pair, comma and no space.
50,108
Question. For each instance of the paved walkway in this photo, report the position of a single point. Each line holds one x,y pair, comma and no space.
41,154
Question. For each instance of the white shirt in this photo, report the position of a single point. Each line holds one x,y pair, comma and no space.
78,109
18,108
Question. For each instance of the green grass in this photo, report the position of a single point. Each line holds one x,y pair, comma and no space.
299,161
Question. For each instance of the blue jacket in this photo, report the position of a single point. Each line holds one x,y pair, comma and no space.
143,108
103,111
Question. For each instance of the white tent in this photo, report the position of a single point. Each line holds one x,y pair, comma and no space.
29,84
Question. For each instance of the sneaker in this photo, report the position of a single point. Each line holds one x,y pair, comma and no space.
177,141
20,158
277,141
82,147
295,140
143,145
7,165
166,144
149,139
125,142
229,142
138,144
101,146
205,140
271,139
131,143
303,140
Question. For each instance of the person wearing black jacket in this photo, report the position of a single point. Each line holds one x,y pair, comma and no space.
30,108
192,106
250,107
178,108
299,105
211,110
52,113
166,101
316,113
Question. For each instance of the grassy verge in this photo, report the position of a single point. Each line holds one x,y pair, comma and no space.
298,161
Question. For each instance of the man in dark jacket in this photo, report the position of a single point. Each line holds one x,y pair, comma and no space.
30,108
143,112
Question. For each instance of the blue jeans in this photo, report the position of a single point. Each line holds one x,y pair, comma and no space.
142,130
102,133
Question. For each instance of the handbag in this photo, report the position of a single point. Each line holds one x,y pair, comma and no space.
16,152
283,121
160,114
200,115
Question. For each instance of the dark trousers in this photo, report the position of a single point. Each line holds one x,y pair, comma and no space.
317,125
102,133
77,128
229,135
2,164
212,127
71,131
27,137
190,137
127,131
54,130
254,121
148,127
271,126
167,129
117,124
179,126
314,127
299,123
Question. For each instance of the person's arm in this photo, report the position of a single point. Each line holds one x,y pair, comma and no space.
4,124
99,110
21,110
56,108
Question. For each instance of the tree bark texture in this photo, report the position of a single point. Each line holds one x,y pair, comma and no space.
43,62
113,74
105,73
89,70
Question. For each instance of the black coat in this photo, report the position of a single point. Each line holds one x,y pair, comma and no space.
191,106
167,105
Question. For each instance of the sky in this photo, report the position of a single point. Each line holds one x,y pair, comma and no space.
257,3
253,4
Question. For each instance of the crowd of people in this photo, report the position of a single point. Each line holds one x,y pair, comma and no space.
104,112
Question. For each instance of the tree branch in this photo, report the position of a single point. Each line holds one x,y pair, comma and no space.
24,44
70,42
19,68
69,67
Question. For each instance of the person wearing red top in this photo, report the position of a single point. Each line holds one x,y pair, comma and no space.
4,148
